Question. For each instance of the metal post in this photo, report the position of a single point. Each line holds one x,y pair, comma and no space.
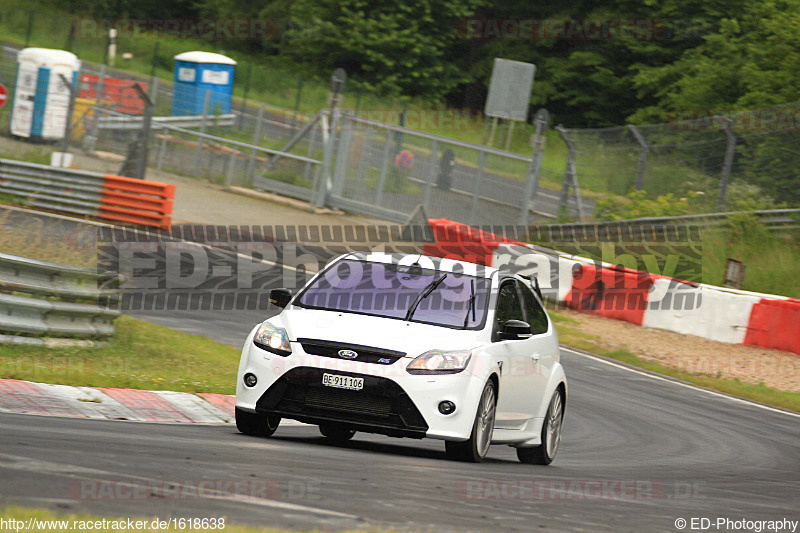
256,139
312,146
70,110
206,105
231,166
434,172
642,155
727,164
342,156
476,190
509,135
493,131
154,90
91,139
325,182
145,133
570,175
541,122
154,62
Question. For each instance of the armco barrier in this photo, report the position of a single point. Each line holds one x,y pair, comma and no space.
650,300
89,193
32,310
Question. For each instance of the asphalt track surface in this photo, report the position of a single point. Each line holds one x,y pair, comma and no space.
638,453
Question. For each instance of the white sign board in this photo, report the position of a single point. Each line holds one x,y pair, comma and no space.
216,77
510,90
186,74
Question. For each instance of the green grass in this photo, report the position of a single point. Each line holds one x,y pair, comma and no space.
570,336
35,241
140,356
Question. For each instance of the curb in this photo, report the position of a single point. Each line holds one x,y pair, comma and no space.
27,397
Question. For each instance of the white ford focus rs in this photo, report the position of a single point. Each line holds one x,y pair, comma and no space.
409,346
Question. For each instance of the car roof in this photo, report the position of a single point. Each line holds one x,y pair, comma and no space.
425,261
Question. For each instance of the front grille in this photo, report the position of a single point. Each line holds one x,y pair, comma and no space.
382,406
366,354
348,401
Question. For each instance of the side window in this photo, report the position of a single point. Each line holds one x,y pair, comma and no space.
508,308
536,316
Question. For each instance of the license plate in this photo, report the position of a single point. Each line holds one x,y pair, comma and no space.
342,382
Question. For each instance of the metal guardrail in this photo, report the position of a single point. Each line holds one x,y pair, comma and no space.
93,194
192,121
774,220
27,287
71,191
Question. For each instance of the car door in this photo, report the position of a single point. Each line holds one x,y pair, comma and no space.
521,377
542,346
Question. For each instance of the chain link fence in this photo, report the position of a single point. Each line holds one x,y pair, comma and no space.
386,170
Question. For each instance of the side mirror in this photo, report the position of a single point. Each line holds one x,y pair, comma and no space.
281,297
515,330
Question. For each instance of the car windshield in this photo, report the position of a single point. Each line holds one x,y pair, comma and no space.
450,299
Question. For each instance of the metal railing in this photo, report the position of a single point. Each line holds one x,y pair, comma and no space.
70,191
127,122
27,305
773,219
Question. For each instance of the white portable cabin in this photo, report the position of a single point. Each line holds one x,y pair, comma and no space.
41,100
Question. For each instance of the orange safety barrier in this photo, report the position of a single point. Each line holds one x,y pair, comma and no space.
619,293
121,183
460,241
774,324
135,201
121,92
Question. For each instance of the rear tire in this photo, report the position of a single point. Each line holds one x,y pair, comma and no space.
256,424
551,435
475,449
336,432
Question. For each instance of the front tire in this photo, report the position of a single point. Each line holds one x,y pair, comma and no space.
475,449
336,432
551,434
256,424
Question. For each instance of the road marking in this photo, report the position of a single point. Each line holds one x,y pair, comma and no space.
27,464
681,383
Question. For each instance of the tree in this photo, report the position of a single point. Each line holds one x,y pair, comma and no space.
389,48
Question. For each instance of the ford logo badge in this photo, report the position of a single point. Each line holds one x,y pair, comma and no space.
348,354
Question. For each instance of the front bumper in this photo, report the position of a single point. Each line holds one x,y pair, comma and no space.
392,402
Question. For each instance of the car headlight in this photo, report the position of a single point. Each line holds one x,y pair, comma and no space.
440,362
273,339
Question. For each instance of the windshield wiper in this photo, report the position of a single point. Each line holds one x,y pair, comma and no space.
471,303
424,294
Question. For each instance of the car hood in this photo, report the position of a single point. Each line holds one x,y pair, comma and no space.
410,337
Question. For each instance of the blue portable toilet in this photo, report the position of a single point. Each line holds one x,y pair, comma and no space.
41,100
197,72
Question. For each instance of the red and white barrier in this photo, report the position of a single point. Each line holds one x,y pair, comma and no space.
641,298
